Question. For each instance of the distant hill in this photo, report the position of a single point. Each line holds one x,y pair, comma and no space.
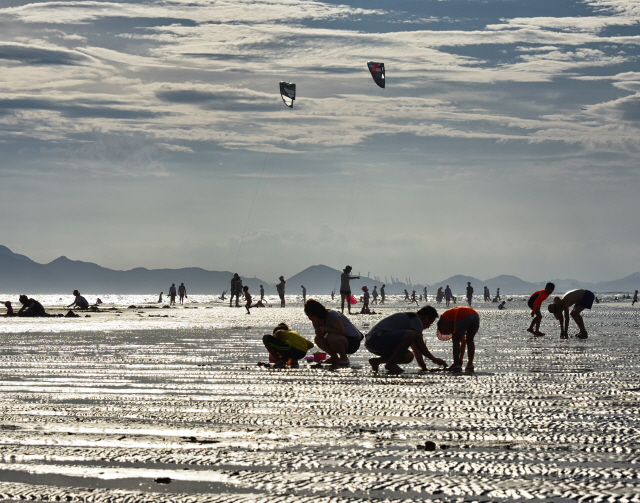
20,274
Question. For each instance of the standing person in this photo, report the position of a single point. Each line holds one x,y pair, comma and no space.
469,293
635,298
172,294
534,302
280,288
80,301
498,295
30,307
580,300
487,294
335,334
345,289
461,323
261,293
235,290
304,294
160,298
182,292
448,295
439,295
365,301
413,298
333,294
374,294
247,298
382,295
424,292
391,338
284,344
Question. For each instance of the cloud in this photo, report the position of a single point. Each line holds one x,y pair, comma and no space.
40,56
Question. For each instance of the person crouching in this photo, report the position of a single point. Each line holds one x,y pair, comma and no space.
285,345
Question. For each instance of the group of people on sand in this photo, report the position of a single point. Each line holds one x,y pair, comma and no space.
394,340
578,299
32,308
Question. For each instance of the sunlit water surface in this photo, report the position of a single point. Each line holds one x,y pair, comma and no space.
153,404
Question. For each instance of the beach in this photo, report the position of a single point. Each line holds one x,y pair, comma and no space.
148,403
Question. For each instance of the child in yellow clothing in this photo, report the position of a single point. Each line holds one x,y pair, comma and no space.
285,344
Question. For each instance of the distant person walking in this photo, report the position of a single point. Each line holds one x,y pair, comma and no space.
235,290
261,293
498,295
413,298
345,289
424,292
469,293
247,298
382,295
280,288
406,295
635,298
580,300
182,292
172,294
304,294
374,294
448,295
534,302
80,301
439,295
487,294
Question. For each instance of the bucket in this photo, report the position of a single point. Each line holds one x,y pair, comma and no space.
319,357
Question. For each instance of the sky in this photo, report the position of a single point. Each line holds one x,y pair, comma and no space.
152,133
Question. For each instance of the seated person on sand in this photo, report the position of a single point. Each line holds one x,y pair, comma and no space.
335,334
9,312
580,299
30,307
80,301
534,302
502,305
461,324
398,339
285,345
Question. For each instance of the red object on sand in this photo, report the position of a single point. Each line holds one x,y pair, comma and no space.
319,357
353,300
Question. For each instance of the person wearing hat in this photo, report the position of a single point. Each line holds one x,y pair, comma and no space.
345,289
460,324
580,300
280,288
398,339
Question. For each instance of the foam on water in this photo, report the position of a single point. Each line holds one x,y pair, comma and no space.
111,408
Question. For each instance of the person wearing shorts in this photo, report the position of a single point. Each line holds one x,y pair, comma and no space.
335,334
580,300
461,324
391,338
285,345
534,303
345,288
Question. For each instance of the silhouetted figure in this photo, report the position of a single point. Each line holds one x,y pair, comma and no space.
182,292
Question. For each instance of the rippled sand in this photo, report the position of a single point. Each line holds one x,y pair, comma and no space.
130,406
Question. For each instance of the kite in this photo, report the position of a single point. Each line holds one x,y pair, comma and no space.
377,72
288,93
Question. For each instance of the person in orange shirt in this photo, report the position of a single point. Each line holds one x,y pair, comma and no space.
535,301
461,324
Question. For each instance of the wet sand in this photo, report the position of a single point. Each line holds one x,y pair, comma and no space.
137,407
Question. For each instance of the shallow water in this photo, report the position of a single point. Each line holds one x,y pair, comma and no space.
99,408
